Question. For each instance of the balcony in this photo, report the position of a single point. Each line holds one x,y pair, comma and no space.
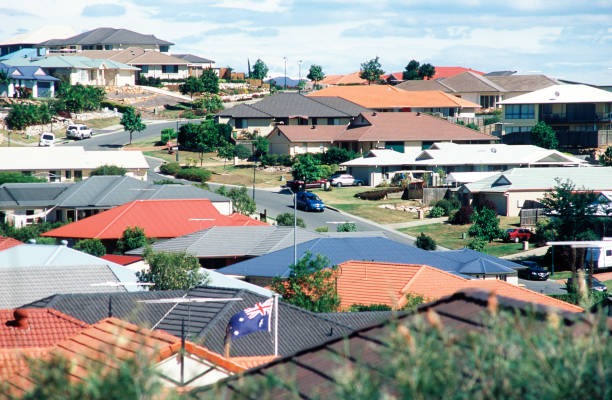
575,118
567,139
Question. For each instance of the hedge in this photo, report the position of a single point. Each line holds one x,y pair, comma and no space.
194,174
111,105
170,168
378,194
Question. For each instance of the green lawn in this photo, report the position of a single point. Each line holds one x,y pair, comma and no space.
562,275
608,285
450,236
345,200
100,123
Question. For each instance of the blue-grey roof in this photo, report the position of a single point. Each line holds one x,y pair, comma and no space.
43,256
41,194
218,279
339,250
26,72
108,36
474,262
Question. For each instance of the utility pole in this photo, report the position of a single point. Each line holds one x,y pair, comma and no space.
299,76
285,58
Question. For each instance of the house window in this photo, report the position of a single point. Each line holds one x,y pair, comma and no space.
397,146
164,49
68,174
487,101
520,111
241,123
55,176
108,47
144,69
426,144
169,69
78,175
608,253
99,47
26,173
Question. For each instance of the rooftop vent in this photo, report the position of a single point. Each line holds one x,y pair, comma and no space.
20,319
313,127
374,114
418,114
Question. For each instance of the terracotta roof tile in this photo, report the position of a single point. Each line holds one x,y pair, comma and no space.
385,96
121,259
158,218
45,327
14,360
253,361
8,242
362,282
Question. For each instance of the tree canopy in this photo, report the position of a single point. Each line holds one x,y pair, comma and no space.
286,219
131,122
133,237
260,70
210,81
108,170
486,225
17,177
243,203
306,167
191,86
544,136
425,242
315,73
371,70
606,157
416,71
91,246
172,271
310,285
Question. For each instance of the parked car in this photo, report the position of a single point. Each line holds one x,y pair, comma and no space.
518,235
533,271
78,131
308,201
47,139
340,180
299,185
597,285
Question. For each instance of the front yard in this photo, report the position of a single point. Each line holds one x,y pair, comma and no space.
450,236
344,199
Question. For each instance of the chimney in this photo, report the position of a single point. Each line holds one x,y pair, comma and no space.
21,319
313,127
418,113
374,114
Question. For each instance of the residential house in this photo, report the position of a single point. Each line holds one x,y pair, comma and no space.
32,271
368,283
349,79
178,364
485,90
309,374
31,333
206,323
149,63
261,270
158,218
8,242
301,139
478,161
288,109
197,64
82,70
26,76
519,188
69,163
391,98
30,39
580,115
107,39
392,78
23,203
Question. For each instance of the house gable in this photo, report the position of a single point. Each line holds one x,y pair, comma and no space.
501,181
553,157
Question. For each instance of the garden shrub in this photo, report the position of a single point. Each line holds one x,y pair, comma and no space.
167,134
172,168
194,174
111,105
463,216
377,194
425,242
436,212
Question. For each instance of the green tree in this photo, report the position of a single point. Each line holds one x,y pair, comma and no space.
191,85
425,242
18,177
260,70
606,157
91,246
242,152
226,152
310,285
132,238
411,72
172,271
243,203
261,146
544,136
78,98
315,74
286,219
131,122
486,225
347,227
108,170
306,167
371,70
209,103
167,134
477,244
426,71
210,81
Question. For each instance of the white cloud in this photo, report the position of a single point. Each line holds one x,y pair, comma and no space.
255,5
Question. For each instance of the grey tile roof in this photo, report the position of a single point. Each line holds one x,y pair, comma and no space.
418,85
92,307
360,320
523,83
108,36
341,104
31,194
110,191
193,58
233,241
19,286
284,105
471,82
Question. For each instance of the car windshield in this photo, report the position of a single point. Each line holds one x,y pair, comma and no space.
510,230
335,176
83,128
48,137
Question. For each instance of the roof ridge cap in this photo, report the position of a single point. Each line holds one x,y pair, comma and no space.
129,207
224,311
524,289
325,105
257,109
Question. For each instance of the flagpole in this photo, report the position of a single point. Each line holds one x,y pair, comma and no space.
275,324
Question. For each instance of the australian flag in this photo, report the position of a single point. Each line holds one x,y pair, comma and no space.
253,319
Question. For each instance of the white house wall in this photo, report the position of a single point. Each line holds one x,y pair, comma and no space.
155,71
224,207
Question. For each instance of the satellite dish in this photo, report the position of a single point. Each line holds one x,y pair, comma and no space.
493,150
557,94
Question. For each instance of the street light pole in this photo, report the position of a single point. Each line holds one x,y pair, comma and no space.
299,76
285,58
294,225
254,169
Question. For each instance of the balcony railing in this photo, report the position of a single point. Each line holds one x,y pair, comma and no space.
567,139
565,118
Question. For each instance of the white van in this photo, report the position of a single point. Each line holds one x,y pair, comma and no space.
47,139
601,255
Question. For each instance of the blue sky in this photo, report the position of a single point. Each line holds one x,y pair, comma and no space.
565,39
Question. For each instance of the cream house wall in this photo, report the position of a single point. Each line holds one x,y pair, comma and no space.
155,71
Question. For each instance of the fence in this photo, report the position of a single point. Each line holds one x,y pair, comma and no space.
431,195
531,216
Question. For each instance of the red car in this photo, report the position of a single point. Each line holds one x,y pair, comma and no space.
518,235
299,185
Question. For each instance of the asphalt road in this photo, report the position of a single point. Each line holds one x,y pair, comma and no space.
103,140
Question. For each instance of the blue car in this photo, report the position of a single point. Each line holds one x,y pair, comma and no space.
309,202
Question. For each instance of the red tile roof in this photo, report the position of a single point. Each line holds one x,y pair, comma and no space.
386,96
45,327
363,282
447,72
121,259
158,218
112,340
349,79
8,242
14,360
